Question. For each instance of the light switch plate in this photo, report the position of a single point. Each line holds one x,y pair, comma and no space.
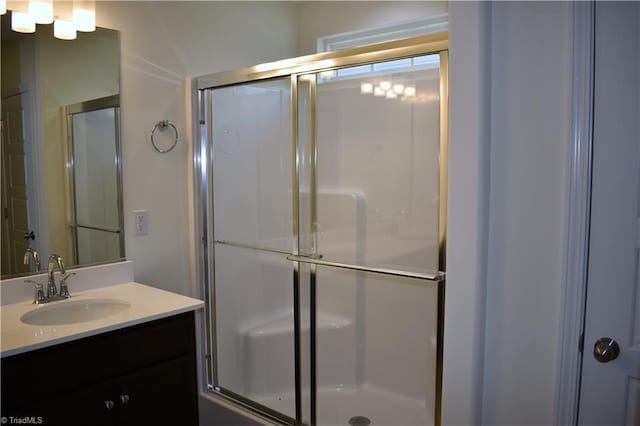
140,222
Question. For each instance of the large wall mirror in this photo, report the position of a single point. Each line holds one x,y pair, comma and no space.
61,156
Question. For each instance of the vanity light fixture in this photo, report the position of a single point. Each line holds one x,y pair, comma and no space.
41,11
84,15
22,22
64,30
67,18
385,85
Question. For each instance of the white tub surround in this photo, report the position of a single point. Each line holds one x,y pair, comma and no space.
145,304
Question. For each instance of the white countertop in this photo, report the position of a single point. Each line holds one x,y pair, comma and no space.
147,304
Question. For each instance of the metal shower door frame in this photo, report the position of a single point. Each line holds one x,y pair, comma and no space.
293,69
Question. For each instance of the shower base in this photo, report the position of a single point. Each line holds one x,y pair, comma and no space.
382,407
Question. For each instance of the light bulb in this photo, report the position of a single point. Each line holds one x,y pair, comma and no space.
84,15
409,91
391,94
379,91
41,11
385,85
366,88
398,88
64,30
22,22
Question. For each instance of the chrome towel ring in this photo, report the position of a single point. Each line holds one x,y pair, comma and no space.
162,125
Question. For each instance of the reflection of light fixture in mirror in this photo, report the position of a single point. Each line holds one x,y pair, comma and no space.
64,30
409,91
22,22
379,91
41,11
366,88
388,90
84,15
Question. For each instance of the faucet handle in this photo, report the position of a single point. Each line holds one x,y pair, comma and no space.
64,289
39,296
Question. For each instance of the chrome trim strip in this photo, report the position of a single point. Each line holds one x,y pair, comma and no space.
95,228
313,311
295,200
413,46
94,104
206,158
435,276
444,158
442,229
199,215
119,179
251,247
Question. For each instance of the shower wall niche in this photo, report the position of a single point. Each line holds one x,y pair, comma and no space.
323,216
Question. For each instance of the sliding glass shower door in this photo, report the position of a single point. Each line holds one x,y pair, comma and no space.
254,325
323,200
374,134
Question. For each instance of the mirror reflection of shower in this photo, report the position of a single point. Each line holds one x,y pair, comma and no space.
94,174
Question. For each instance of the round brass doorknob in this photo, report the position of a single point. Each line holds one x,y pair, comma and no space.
606,349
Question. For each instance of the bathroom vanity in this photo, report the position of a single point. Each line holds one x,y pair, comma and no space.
145,374
115,354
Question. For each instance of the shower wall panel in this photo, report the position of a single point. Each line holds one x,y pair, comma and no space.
252,218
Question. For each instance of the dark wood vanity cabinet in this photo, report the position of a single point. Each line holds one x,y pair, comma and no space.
141,375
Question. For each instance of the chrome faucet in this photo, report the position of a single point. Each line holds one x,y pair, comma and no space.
55,262
31,253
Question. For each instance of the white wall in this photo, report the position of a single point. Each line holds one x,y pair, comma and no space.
161,44
530,94
469,165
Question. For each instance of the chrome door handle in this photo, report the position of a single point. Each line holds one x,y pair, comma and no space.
606,349
109,404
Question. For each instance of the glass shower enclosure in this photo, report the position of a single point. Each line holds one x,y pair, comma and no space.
322,214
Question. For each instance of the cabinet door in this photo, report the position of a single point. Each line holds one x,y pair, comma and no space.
163,394
89,405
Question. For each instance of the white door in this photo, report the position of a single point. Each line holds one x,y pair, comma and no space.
15,187
610,391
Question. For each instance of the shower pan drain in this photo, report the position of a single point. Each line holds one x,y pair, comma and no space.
359,421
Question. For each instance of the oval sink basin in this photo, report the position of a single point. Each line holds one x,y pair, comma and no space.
74,311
